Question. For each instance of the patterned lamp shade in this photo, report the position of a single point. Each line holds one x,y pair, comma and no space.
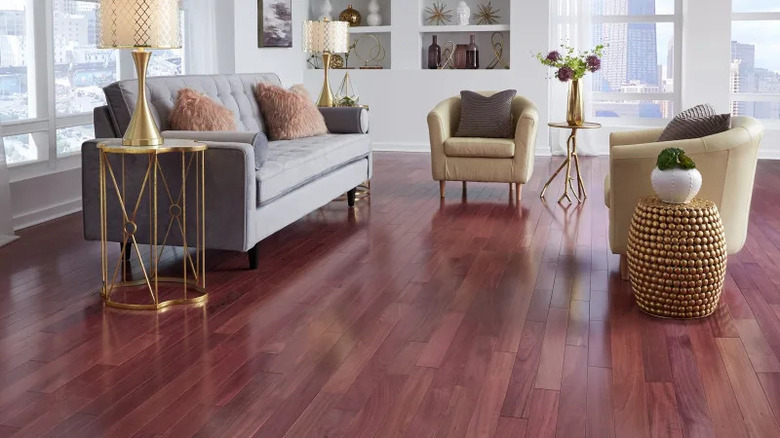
151,24
326,36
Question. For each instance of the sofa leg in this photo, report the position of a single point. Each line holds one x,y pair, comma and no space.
253,256
442,185
351,197
624,268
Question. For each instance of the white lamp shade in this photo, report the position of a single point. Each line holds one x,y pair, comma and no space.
326,36
152,24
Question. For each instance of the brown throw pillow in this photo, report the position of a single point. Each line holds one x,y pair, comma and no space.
487,117
289,114
699,121
194,111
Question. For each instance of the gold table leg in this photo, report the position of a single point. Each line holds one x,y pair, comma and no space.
571,155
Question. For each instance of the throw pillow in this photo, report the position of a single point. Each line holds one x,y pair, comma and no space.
699,121
194,111
486,116
289,114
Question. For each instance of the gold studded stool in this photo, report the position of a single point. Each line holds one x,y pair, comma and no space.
677,258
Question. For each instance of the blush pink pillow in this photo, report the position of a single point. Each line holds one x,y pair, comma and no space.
196,112
290,114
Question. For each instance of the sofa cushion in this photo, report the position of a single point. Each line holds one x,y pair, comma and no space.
194,111
699,121
486,116
234,91
290,114
479,147
293,163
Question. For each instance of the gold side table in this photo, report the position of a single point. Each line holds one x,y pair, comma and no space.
145,293
571,155
677,258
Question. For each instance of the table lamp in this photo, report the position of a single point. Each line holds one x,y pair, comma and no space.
140,25
326,37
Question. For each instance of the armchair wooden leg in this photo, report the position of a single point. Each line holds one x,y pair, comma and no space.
624,268
442,185
464,185
518,192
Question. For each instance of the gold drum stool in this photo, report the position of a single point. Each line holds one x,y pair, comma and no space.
677,258
153,209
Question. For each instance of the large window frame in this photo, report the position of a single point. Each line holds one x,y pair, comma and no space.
42,84
676,19
754,96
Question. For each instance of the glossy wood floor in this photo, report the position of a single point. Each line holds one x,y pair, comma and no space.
412,318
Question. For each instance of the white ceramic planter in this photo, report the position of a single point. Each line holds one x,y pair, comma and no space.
676,186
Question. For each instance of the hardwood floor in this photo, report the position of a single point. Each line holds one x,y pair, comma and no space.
472,317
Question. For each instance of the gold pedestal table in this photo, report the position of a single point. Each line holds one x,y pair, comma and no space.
571,156
677,258
161,193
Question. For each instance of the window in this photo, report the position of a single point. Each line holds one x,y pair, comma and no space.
755,59
636,83
52,75
14,63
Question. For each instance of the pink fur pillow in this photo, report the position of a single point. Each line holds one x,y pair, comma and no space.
289,114
196,112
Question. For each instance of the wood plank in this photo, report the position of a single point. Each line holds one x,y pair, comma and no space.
550,371
760,353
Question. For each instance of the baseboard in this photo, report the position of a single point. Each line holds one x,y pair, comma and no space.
29,219
402,147
5,240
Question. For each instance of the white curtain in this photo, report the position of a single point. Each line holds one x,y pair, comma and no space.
6,214
200,35
572,26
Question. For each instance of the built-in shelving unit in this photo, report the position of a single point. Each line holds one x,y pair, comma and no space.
468,28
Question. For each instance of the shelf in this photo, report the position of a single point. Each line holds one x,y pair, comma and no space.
470,28
370,29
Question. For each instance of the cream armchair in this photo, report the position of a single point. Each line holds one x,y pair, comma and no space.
727,162
503,160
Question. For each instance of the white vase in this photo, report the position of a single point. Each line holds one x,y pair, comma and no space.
325,10
676,186
373,19
464,13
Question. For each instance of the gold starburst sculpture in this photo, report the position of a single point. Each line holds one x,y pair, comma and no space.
487,14
438,14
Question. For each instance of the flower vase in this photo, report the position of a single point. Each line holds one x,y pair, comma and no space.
574,106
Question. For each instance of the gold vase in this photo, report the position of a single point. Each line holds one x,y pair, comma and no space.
574,107
351,16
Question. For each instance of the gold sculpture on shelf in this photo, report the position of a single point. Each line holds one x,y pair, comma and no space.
376,54
448,54
677,258
351,16
438,14
497,41
487,14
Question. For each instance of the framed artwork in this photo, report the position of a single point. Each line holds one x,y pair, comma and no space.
274,23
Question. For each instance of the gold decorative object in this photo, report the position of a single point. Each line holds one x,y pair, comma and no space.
351,16
571,155
575,108
376,54
336,62
347,94
327,38
448,55
140,25
118,290
438,14
677,258
497,41
487,14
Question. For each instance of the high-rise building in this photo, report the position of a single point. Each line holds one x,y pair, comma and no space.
641,51
745,54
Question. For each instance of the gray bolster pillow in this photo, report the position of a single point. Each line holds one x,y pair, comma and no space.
346,120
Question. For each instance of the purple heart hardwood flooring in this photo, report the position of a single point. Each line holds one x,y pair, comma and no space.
408,317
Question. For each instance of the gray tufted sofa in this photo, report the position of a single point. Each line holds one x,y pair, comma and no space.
246,200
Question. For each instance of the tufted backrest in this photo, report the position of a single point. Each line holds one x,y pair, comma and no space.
234,91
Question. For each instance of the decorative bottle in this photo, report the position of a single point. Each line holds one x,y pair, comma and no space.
373,19
434,54
472,54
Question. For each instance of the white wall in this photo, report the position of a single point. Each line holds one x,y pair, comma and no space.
287,63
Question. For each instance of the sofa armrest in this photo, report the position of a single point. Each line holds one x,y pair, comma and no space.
346,120
258,140
230,193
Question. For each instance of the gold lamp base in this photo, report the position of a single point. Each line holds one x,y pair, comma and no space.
326,97
142,130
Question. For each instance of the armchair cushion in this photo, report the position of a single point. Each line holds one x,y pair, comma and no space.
479,147
486,116
699,121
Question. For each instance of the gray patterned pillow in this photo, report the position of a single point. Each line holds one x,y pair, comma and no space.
488,117
699,121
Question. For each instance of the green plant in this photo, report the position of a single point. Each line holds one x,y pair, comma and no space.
674,158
